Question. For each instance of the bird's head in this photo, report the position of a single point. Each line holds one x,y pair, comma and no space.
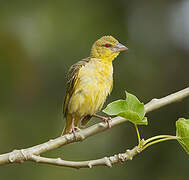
107,48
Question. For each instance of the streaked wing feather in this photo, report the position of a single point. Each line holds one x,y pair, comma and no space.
72,78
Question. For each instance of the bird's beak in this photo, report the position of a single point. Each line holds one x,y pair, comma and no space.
119,47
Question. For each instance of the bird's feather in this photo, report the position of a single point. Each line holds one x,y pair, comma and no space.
89,82
72,78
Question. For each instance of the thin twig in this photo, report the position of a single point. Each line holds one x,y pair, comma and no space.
33,153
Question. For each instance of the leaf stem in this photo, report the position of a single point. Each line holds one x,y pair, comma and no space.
157,141
138,135
158,137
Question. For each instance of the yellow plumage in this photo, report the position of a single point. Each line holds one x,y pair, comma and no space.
89,82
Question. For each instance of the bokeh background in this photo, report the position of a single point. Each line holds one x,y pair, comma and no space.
40,40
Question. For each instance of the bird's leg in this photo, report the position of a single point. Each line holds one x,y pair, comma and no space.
105,119
74,128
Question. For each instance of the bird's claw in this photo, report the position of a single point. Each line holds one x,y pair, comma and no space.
107,120
74,130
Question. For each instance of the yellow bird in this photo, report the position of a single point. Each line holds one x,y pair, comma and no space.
89,81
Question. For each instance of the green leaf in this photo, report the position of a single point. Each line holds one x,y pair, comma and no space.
144,121
133,117
182,132
131,109
115,107
135,105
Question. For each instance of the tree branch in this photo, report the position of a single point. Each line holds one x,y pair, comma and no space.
106,161
33,153
157,103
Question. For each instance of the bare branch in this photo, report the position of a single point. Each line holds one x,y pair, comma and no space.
106,161
33,153
157,103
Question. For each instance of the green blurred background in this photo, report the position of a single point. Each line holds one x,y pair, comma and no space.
40,40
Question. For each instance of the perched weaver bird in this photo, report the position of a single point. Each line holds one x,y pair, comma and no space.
89,81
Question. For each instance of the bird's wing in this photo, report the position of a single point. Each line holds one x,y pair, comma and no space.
72,79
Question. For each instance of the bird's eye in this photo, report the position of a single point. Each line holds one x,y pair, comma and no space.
108,45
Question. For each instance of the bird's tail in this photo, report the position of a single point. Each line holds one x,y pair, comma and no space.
85,120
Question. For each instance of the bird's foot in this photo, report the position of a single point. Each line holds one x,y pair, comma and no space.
73,130
76,128
105,119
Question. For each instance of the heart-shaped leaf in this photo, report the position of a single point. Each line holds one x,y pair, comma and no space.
131,109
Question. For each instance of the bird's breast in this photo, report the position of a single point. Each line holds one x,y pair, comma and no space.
97,76
94,84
